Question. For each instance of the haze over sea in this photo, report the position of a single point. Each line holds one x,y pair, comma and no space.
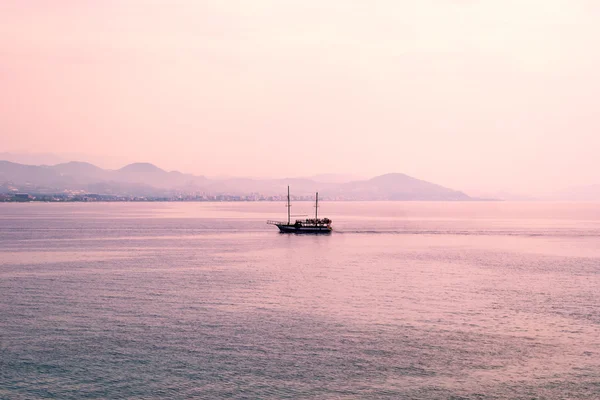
403,300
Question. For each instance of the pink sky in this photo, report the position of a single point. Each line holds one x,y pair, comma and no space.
475,95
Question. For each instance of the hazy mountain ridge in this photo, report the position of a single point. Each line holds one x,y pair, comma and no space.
396,186
145,179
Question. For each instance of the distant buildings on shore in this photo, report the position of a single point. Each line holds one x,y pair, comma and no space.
89,197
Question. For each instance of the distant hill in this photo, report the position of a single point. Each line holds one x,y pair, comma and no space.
81,171
397,186
133,179
333,178
146,179
269,187
34,158
150,174
141,168
32,174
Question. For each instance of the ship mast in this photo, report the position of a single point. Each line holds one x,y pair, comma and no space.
288,205
317,207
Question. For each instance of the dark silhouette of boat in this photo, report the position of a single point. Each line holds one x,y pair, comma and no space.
312,225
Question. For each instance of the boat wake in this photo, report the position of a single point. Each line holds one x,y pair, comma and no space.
471,233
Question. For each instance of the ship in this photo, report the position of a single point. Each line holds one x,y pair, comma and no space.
312,225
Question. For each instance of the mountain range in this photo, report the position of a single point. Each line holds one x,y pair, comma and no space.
145,179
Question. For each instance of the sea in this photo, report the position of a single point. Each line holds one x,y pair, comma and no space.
404,300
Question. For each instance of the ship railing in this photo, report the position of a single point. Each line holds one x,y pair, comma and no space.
306,222
276,222
313,223
319,221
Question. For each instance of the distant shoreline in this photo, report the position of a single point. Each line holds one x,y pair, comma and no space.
244,201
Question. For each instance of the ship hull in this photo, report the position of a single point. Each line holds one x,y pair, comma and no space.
304,229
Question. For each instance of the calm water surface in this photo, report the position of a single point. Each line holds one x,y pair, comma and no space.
403,300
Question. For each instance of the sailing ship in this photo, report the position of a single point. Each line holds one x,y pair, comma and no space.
312,225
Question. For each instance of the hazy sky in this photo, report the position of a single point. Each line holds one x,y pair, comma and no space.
473,94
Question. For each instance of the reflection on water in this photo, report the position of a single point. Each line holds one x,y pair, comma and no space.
403,300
